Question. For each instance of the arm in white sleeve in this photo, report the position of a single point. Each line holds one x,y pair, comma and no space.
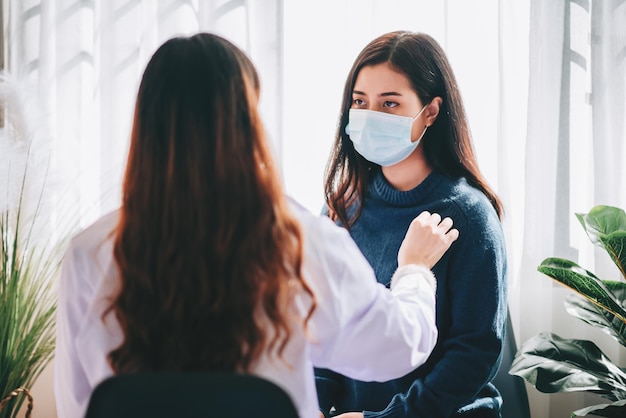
358,320
71,387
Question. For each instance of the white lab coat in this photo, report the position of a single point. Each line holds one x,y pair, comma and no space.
360,328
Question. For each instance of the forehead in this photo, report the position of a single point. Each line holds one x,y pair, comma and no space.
381,78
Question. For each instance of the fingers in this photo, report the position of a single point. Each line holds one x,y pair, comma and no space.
439,225
427,239
452,234
446,224
424,217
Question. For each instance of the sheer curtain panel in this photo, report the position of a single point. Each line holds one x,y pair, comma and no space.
574,159
83,60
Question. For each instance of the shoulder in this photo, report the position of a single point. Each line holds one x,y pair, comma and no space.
97,231
473,214
326,245
312,224
88,262
95,241
470,202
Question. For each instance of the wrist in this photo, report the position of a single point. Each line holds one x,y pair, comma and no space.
411,270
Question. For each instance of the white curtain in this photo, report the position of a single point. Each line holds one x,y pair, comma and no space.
543,84
574,157
84,59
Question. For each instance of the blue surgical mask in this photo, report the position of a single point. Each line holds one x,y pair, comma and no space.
380,137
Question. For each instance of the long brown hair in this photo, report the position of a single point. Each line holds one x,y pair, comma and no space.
207,250
447,143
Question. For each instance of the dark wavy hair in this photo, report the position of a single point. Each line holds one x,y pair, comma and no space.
447,143
208,252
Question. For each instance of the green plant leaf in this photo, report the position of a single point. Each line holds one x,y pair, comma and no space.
28,272
598,317
606,227
613,410
553,364
33,239
583,282
618,288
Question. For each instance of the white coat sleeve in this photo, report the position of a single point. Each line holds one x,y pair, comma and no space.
361,329
71,387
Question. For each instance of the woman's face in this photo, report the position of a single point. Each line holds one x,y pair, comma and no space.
382,89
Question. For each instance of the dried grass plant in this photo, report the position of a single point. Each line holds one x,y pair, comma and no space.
32,242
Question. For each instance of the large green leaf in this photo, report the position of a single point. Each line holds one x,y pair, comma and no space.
553,364
613,410
618,288
596,316
606,227
583,282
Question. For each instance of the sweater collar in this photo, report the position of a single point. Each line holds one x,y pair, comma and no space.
381,189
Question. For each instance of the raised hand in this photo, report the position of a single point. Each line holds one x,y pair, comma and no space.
426,240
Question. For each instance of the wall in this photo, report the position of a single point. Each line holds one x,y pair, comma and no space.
43,396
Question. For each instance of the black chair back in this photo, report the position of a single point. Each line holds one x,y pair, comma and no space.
512,388
189,395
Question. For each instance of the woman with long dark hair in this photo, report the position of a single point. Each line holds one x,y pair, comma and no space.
207,266
403,145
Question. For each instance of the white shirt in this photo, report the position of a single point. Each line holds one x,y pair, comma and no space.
359,328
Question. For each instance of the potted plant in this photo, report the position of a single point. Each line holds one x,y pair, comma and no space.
554,364
29,256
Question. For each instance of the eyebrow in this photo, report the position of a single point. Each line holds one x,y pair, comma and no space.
386,94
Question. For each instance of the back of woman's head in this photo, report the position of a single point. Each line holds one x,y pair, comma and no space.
447,144
205,241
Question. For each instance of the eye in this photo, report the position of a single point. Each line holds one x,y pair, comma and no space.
390,104
357,102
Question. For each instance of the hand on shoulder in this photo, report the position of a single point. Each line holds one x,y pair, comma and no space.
427,239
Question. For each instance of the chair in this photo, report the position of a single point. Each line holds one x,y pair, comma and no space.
512,388
189,395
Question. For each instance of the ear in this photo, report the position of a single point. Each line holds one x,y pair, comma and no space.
432,110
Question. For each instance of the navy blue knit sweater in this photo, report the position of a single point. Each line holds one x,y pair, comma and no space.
471,305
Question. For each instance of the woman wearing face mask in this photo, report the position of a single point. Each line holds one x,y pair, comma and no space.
403,146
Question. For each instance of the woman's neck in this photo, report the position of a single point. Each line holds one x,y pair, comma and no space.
408,173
